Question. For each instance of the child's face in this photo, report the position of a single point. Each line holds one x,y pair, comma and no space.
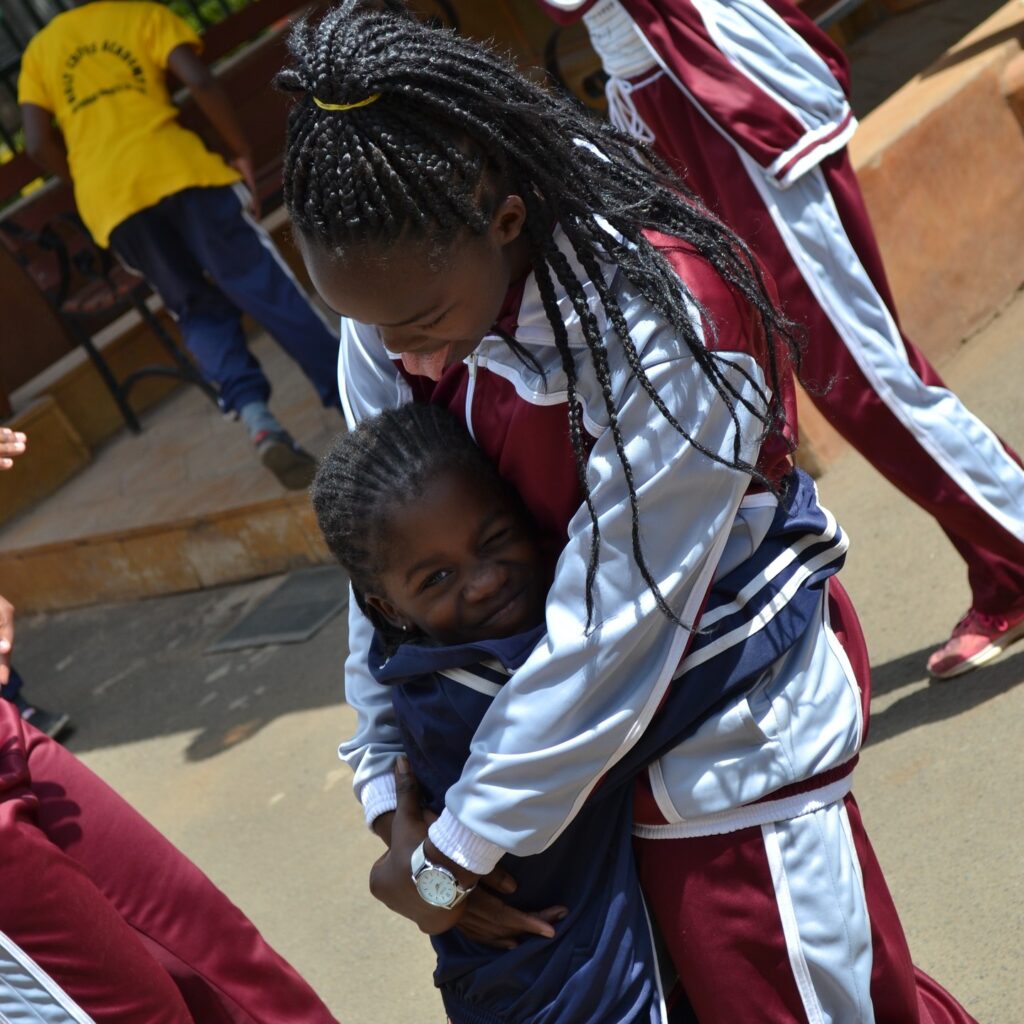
431,311
463,564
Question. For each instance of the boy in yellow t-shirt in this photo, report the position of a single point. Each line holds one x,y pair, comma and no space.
97,112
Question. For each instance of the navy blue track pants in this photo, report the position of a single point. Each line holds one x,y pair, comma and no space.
210,261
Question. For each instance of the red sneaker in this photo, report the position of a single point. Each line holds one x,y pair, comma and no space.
977,638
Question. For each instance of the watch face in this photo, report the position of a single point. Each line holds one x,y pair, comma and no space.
436,887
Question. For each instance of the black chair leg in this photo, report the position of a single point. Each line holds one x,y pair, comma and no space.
115,389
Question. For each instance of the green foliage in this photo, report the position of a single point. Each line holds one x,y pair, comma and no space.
211,11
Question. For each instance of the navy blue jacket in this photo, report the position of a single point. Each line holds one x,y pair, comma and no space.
601,967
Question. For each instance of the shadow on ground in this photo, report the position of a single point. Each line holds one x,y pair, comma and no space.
937,699
127,673
887,56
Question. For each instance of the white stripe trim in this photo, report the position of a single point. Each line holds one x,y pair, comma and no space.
779,600
790,928
662,1005
528,394
495,666
43,980
764,500
473,682
815,154
844,819
773,569
471,361
833,296
749,816
839,652
662,797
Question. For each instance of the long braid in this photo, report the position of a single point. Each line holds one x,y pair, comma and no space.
418,163
382,465
539,243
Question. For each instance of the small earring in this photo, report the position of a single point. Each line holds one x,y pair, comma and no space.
405,629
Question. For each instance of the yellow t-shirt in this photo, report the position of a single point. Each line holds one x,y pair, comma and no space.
100,69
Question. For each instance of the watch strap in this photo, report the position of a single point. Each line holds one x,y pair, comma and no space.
418,862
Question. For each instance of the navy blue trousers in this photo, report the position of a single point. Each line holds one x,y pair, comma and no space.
210,261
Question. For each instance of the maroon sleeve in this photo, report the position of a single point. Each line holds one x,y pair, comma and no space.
736,103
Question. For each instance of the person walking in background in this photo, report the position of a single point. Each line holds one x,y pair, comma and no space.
747,101
13,443
97,112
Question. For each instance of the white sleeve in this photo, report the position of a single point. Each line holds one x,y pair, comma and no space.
581,701
368,383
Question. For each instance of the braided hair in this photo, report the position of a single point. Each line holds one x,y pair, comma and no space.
384,464
450,122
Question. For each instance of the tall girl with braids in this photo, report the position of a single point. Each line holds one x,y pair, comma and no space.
615,351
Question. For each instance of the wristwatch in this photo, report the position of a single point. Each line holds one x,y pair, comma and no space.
435,883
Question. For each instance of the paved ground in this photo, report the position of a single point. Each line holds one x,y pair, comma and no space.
903,45
232,755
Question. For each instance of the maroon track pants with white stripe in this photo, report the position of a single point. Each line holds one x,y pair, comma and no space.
746,923
873,386
125,924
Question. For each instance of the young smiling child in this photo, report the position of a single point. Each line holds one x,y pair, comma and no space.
446,562
453,573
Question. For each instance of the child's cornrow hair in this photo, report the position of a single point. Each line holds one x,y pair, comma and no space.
412,164
382,465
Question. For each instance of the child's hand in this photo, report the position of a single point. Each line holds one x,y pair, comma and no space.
12,443
492,922
391,876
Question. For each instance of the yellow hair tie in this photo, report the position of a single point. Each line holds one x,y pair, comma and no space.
346,106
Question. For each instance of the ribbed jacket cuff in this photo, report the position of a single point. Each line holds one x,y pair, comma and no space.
466,848
378,797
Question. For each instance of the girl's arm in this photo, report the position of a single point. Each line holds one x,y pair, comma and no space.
44,142
581,701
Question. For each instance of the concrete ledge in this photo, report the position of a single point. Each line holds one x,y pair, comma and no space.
76,386
182,554
55,453
941,166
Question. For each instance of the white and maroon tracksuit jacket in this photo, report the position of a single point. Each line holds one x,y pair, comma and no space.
769,769
747,100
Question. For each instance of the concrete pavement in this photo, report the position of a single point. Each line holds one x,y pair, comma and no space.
232,755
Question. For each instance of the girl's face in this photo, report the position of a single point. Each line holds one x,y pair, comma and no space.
462,564
431,310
